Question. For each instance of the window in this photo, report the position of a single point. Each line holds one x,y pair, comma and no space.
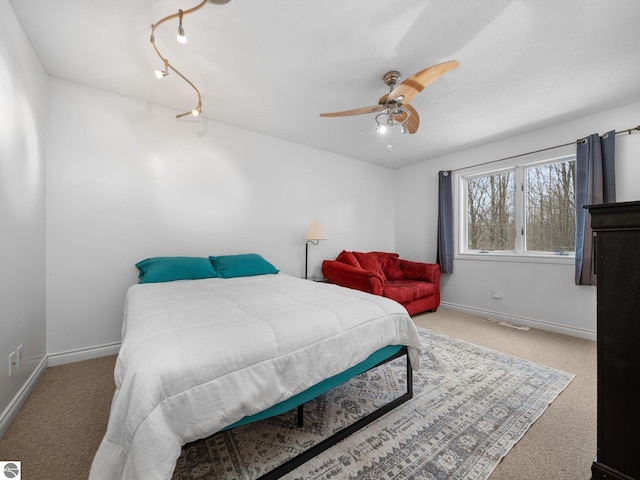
491,212
550,208
526,209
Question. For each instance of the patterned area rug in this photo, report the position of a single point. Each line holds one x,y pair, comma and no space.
470,406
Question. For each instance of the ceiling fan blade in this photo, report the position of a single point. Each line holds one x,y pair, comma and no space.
357,111
414,120
413,85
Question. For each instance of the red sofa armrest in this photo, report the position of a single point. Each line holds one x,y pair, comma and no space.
428,272
352,277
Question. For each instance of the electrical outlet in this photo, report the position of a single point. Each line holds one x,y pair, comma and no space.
12,363
497,294
19,356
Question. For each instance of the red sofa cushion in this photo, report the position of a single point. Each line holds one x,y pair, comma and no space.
371,262
390,265
348,258
428,272
404,291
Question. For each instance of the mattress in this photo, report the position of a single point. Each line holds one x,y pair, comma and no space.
199,355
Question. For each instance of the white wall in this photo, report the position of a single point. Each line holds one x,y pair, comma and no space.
127,181
22,220
539,295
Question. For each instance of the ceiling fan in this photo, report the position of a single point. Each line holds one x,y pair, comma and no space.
394,109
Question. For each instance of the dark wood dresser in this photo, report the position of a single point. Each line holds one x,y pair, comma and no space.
617,251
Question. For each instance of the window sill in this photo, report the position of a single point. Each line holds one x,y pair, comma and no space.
518,258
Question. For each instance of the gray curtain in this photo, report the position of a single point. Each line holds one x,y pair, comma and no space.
595,184
445,222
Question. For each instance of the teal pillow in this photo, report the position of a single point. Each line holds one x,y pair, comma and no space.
244,265
167,269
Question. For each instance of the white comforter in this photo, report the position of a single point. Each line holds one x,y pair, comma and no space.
199,355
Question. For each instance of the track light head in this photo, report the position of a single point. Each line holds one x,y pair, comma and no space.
182,37
160,74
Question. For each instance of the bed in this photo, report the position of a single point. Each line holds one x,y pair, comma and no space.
201,355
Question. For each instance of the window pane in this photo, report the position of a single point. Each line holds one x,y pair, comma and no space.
550,210
490,216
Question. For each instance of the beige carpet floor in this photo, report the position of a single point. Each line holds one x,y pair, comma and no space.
61,425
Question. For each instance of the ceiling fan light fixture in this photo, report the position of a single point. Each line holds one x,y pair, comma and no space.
390,119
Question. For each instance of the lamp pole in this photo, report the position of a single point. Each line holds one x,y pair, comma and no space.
314,235
306,255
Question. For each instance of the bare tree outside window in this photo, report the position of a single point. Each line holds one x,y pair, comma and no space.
550,208
527,209
491,212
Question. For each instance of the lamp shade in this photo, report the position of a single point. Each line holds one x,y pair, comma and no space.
316,232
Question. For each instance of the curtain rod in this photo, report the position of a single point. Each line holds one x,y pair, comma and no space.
582,140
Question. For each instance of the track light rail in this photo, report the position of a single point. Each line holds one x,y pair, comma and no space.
182,38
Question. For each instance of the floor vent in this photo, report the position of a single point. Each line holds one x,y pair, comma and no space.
508,324
513,325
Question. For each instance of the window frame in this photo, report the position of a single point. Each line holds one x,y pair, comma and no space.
518,166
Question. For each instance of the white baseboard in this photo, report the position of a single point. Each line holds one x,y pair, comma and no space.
11,412
528,322
72,356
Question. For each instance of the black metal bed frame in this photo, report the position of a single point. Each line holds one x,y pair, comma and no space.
327,443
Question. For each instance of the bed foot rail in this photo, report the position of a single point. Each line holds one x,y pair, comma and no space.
317,449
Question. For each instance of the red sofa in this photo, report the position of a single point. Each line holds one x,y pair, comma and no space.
415,285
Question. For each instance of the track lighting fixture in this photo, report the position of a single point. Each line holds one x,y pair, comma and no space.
182,38
163,73
196,111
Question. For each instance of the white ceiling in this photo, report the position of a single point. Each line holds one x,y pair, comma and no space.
272,66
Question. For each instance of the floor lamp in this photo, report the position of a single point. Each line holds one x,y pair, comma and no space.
314,235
